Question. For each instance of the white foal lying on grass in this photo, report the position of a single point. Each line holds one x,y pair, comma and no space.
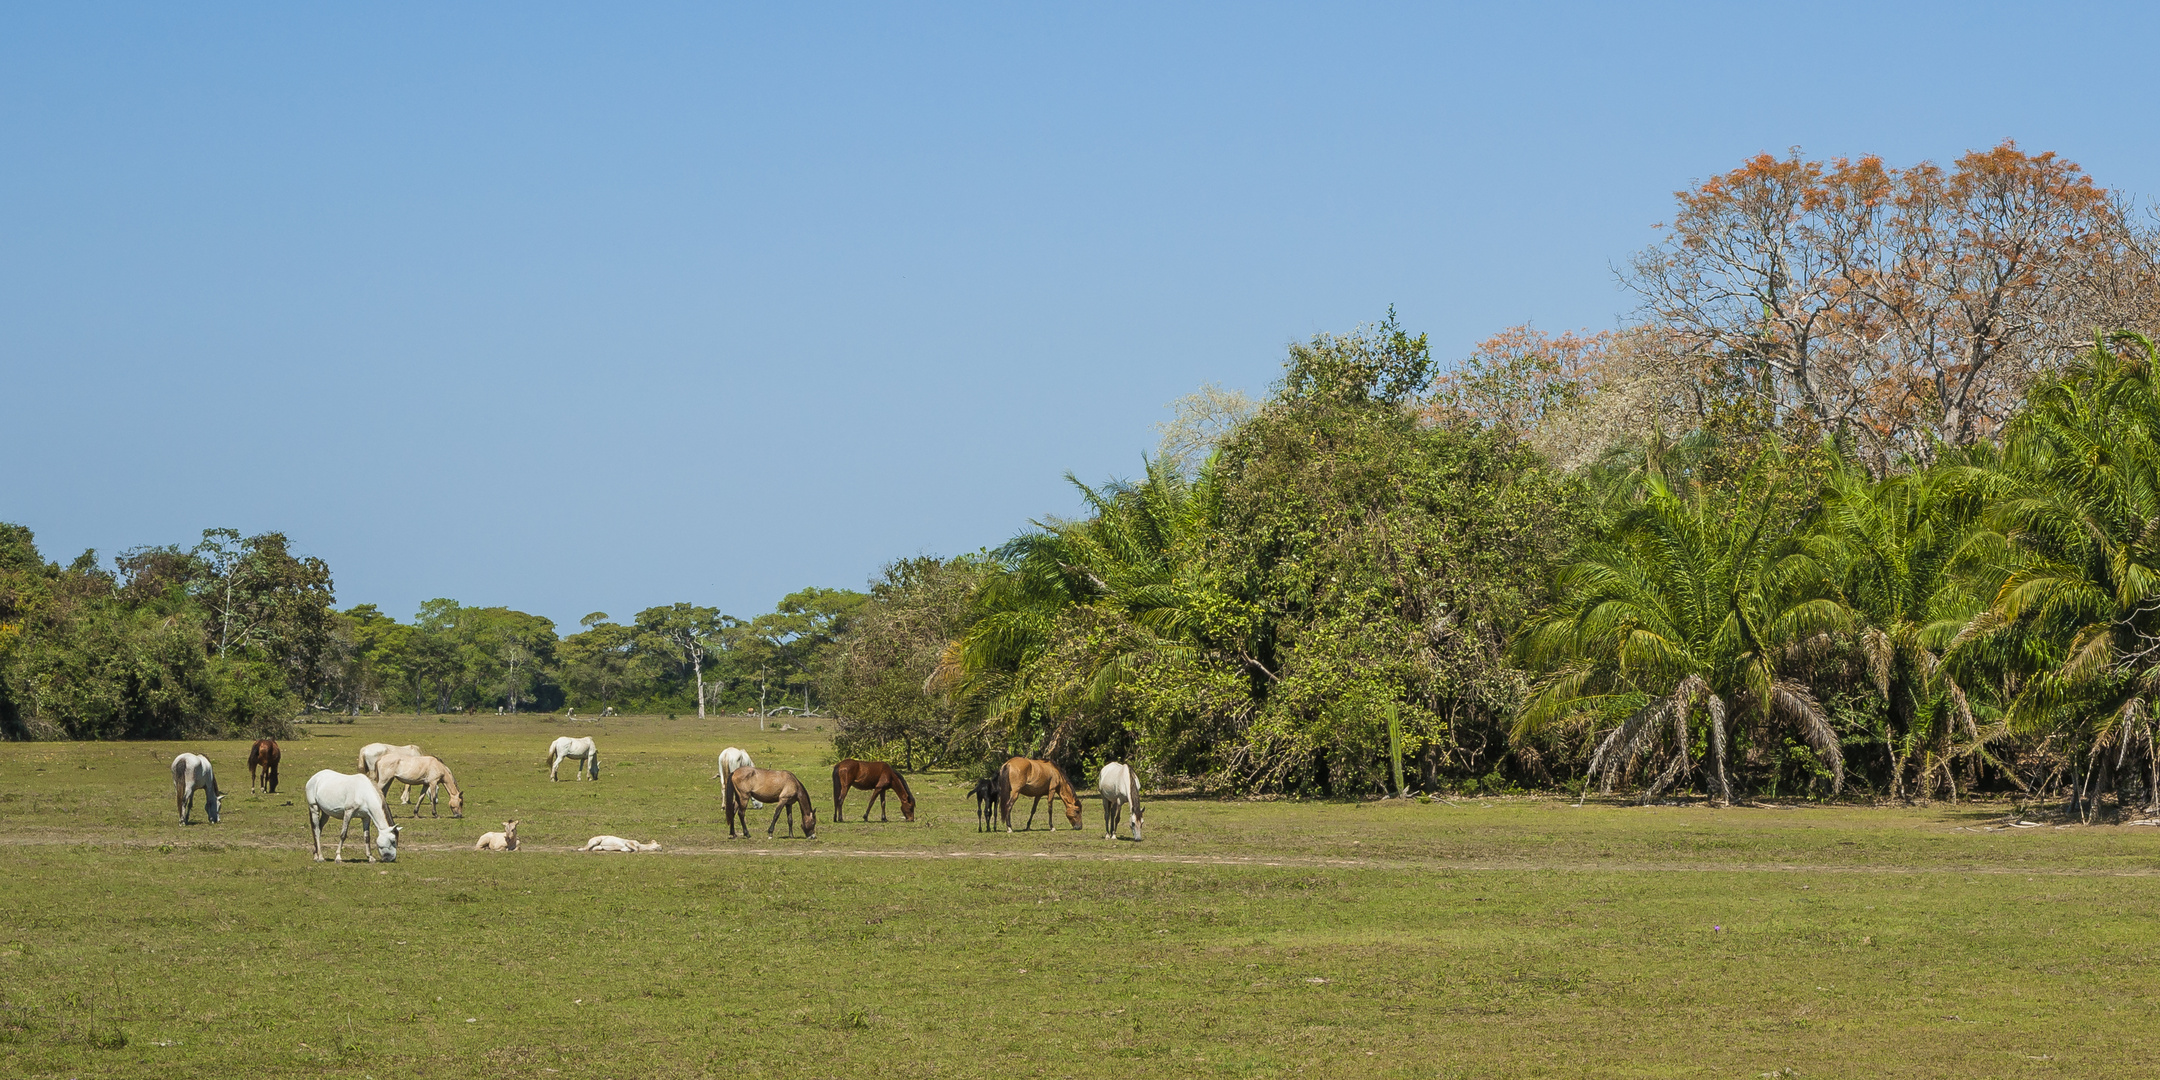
334,794
192,773
506,840
617,843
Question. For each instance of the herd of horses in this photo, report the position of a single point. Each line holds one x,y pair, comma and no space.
744,786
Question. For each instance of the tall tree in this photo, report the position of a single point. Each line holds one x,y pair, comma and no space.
685,635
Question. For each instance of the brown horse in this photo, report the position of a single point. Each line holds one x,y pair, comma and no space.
879,779
263,759
775,787
1028,776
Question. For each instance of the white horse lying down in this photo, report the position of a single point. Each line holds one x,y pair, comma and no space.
1118,785
731,759
506,840
334,794
617,843
374,751
192,773
580,750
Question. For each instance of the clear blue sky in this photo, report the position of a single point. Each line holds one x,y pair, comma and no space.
588,307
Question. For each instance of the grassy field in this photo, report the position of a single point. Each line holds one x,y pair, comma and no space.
1484,938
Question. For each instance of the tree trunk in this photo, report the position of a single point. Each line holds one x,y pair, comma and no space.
697,666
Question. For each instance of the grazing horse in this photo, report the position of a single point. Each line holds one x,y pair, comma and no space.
732,759
1118,786
1028,776
192,773
580,750
263,759
775,786
334,794
617,843
506,840
429,773
879,779
373,752
987,800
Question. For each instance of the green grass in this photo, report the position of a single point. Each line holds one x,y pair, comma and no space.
1518,937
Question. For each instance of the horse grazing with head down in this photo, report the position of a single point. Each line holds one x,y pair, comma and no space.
879,779
778,787
1029,776
192,773
579,750
432,776
334,794
1119,787
262,766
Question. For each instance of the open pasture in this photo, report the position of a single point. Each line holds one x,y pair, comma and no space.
1519,937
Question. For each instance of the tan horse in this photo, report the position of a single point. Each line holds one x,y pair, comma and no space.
506,840
1028,776
876,777
775,787
429,772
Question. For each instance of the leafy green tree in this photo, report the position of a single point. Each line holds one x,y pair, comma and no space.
683,637
600,664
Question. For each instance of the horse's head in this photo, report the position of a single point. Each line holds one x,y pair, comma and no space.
809,818
386,842
217,805
1137,815
457,804
509,828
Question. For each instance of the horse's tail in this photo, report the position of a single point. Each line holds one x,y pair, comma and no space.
839,789
727,788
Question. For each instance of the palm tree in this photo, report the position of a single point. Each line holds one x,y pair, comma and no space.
1131,564
1903,549
1684,607
2079,610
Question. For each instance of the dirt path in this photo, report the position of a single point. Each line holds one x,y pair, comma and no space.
1123,852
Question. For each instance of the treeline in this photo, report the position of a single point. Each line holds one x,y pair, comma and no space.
1861,504
238,636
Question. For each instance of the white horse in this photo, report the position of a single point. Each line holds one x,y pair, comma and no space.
374,751
334,794
731,759
192,773
617,843
1117,784
580,750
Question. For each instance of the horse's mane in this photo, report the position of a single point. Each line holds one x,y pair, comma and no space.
901,779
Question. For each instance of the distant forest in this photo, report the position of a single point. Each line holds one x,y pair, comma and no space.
1863,501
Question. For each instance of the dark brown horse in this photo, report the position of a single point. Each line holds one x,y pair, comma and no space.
987,800
876,777
1028,776
775,787
263,759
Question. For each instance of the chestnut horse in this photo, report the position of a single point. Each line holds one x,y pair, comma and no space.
263,758
777,787
1029,776
879,779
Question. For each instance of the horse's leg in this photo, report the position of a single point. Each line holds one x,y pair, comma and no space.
315,820
341,833
776,819
1031,814
554,764
881,814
